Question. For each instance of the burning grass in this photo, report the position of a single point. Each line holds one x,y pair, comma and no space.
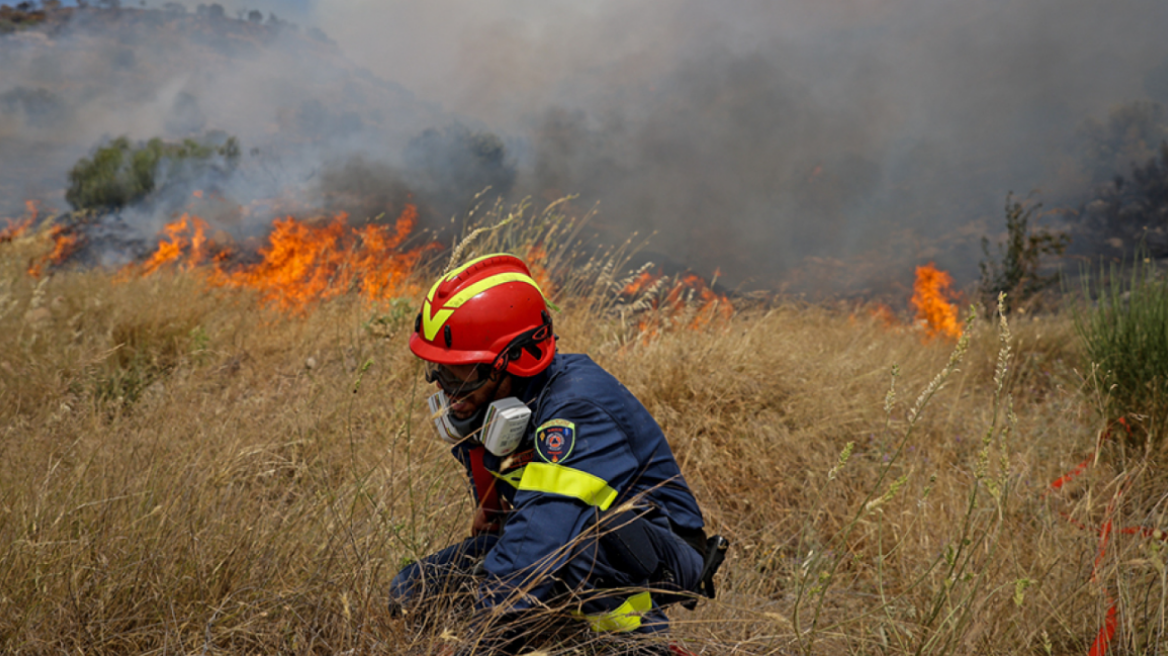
932,298
665,302
188,467
302,263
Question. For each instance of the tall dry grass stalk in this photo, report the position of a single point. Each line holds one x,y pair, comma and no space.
183,470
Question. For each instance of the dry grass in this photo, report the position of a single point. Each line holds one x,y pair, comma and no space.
185,471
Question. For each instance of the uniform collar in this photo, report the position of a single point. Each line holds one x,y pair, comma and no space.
533,387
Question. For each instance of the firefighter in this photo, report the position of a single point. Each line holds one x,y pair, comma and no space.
580,502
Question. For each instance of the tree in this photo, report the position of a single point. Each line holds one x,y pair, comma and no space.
1018,271
214,10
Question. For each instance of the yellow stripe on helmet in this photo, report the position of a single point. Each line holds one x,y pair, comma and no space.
433,320
453,274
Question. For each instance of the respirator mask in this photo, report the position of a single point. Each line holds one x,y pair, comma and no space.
503,423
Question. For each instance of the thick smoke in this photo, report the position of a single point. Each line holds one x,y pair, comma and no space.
781,141
823,146
318,133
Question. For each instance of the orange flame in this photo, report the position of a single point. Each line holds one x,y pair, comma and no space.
15,229
302,262
692,290
884,314
687,293
640,283
187,234
537,263
65,243
931,294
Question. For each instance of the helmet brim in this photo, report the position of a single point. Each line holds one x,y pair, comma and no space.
433,353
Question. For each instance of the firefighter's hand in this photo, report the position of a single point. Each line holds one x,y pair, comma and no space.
483,523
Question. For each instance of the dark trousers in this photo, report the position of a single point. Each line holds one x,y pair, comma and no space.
599,576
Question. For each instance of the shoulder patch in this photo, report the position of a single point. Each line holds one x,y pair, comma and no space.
554,440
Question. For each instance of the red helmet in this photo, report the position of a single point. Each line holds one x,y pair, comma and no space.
488,310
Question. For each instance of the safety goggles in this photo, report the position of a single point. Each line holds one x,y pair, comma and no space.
450,381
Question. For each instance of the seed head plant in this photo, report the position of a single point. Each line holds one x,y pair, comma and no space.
189,469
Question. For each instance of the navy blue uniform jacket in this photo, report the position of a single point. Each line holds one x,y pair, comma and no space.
590,446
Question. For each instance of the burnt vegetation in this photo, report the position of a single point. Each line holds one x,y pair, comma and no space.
1125,164
462,161
1132,211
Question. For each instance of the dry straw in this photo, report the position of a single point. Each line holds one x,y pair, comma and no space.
187,471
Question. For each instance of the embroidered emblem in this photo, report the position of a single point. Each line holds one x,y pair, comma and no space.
554,440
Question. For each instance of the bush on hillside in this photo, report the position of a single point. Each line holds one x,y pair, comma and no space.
120,173
1018,270
1125,336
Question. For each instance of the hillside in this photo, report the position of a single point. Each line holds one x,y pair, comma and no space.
189,468
317,132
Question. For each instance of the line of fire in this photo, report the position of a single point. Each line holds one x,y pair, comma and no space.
304,262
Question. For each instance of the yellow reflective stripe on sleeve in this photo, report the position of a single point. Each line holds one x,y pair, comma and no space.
626,617
511,478
558,479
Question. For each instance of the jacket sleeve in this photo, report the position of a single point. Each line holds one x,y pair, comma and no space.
560,492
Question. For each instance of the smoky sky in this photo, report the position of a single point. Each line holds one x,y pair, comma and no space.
821,146
317,132
795,141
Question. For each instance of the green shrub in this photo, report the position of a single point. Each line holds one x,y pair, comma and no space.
121,173
1017,271
1125,335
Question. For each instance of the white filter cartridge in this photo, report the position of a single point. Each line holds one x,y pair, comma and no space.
504,425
